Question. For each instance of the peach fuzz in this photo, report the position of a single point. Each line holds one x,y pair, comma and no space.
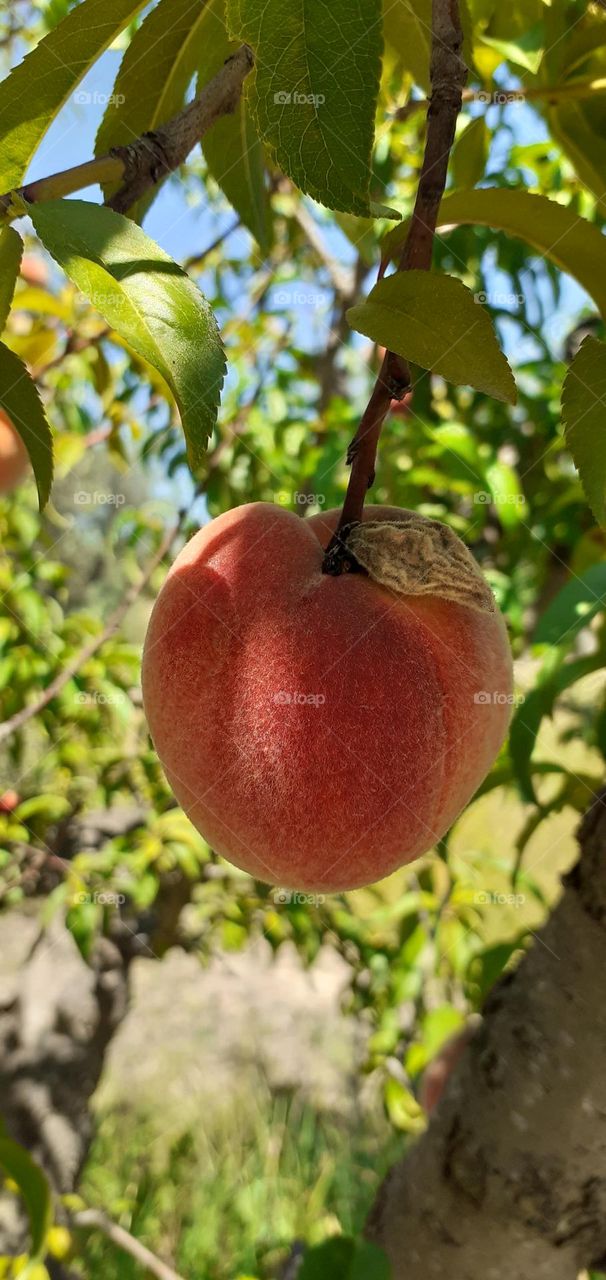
14,460
319,731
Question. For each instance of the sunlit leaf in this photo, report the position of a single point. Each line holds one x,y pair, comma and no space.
584,414
572,243
434,321
20,400
470,154
34,92
11,249
573,608
155,72
407,29
148,299
231,148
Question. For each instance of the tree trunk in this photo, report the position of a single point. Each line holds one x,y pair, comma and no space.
57,1017
509,1179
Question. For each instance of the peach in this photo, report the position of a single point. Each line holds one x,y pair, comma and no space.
9,801
438,1072
319,731
34,269
14,461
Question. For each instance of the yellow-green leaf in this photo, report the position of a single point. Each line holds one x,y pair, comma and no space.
407,29
11,248
434,321
33,1185
584,414
20,400
232,149
148,299
154,74
470,154
34,92
572,243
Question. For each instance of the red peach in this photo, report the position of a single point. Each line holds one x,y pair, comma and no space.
319,731
439,1070
14,460
34,269
9,801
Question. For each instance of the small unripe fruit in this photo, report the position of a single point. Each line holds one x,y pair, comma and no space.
9,801
14,461
321,731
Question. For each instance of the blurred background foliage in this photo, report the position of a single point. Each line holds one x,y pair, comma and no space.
225,1197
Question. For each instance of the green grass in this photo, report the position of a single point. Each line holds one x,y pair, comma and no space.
227,1197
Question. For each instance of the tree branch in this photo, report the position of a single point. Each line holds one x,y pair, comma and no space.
501,97
144,162
510,1177
448,75
97,1221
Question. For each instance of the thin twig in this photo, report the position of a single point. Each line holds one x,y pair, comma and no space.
195,258
341,278
144,162
8,727
448,75
501,97
97,1221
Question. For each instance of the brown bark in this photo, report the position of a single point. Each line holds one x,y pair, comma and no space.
509,1180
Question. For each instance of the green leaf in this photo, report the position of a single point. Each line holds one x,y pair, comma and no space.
33,94
154,75
148,299
584,414
315,90
35,1189
506,492
573,608
578,127
402,1107
470,154
572,243
20,400
555,677
433,320
525,51
407,29
231,148
369,1263
11,248
342,1258
577,51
